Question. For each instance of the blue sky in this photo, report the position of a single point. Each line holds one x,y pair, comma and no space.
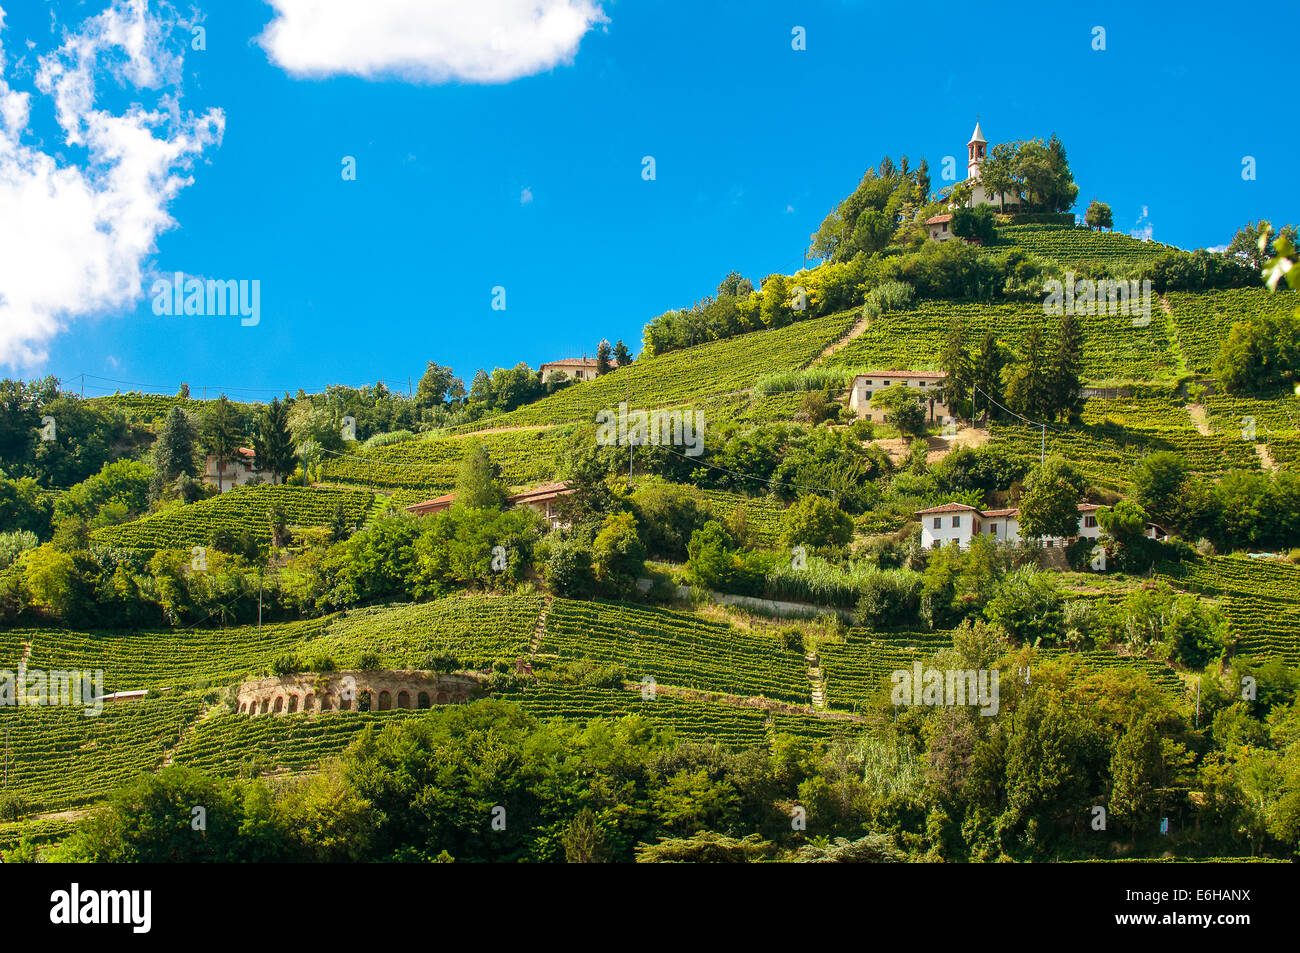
533,183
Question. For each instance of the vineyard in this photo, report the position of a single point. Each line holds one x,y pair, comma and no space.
244,508
426,466
150,407
133,661
1079,245
676,648
1203,320
477,630
1104,451
858,669
1114,348
59,758
688,376
1260,597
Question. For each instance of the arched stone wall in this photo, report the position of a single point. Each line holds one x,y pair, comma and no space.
348,691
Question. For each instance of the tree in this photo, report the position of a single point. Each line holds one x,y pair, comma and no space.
1159,482
603,351
735,286
1028,390
173,453
273,442
221,435
1245,245
1260,353
1065,387
903,407
1049,506
975,224
1098,215
922,189
1136,769
987,364
478,482
998,173
617,555
622,356
955,359
815,521
438,387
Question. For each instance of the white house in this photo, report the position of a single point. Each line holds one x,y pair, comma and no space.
927,382
976,152
959,523
578,368
240,470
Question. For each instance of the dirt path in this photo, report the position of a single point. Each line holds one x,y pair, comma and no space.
862,324
1198,415
1265,458
750,701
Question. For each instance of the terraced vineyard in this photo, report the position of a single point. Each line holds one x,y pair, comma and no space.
1105,452
426,466
59,758
1203,320
477,630
1260,597
687,376
1080,245
231,744
1272,417
150,407
676,648
1114,349
245,508
858,669
139,660
762,513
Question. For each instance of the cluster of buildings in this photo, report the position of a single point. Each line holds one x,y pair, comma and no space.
939,227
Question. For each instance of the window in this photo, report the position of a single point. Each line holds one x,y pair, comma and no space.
868,383
993,528
945,226
886,383
867,394
1090,520
938,522
956,521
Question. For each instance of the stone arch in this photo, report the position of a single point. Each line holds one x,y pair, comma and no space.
385,701
309,701
403,699
266,703
279,704
243,707
345,704
442,698
293,704
423,700
459,698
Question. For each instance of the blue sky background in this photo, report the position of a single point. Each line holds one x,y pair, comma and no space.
754,143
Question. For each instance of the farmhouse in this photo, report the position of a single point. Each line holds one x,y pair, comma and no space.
542,499
938,227
959,523
577,368
976,152
926,382
240,470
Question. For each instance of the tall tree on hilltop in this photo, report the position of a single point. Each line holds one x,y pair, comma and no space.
923,181
603,350
173,453
221,435
438,386
622,356
998,172
1099,215
273,446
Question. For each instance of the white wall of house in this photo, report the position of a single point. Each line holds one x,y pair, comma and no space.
962,527
864,385
238,472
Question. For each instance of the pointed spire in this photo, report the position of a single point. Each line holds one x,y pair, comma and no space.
977,136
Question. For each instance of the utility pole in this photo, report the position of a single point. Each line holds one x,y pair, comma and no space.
1042,459
1198,701
83,386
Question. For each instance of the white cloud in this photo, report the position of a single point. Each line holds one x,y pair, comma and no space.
80,223
1217,248
428,41
1142,227
526,196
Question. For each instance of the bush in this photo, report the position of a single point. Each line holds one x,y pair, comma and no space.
815,521
287,664
568,568
889,599
440,662
369,661
618,555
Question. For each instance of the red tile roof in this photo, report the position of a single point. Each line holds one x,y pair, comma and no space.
938,219
988,514
919,375
577,362
948,508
